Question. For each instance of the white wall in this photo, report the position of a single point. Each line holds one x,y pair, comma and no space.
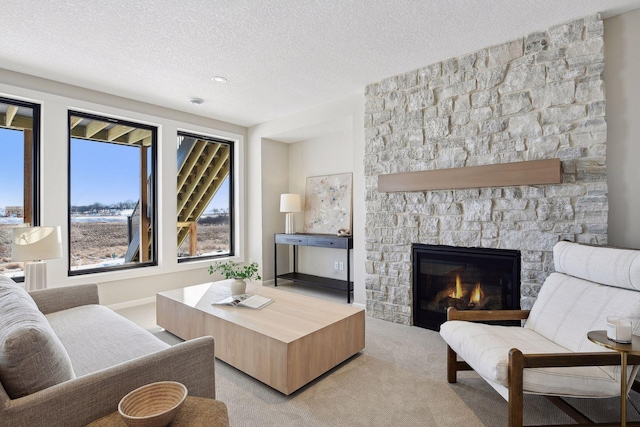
622,86
121,286
326,155
275,181
318,155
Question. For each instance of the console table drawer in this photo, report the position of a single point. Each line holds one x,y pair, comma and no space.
327,242
291,239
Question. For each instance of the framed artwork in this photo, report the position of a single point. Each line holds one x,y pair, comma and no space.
328,203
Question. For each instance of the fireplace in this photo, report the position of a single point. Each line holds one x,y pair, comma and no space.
464,278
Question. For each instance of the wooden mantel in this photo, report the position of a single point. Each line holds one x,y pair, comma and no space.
501,175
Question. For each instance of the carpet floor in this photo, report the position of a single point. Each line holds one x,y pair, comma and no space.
399,379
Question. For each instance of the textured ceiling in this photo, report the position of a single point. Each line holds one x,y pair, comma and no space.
280,57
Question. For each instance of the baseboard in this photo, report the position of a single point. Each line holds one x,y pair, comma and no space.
357,304
133,303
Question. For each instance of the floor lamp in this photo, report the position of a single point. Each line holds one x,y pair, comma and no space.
290,203
32,245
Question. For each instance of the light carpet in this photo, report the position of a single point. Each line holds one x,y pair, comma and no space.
399,379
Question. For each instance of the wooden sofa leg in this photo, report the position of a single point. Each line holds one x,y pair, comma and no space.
452,370
516,368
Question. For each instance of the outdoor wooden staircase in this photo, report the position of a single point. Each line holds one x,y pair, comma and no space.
202,168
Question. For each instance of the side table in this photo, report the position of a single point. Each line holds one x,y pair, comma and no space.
600,338
196,411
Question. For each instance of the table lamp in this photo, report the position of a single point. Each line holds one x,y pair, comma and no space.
289,203
32,245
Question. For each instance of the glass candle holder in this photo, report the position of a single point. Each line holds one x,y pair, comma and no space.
619,329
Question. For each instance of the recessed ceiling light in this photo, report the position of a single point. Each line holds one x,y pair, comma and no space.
196,101
219,79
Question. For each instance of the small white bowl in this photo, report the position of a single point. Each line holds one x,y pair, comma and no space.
152,405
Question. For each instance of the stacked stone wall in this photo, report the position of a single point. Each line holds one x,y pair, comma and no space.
538,97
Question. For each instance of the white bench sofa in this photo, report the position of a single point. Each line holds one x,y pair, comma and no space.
66,360
551,355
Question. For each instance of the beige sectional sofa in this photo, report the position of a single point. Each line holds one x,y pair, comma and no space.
66,360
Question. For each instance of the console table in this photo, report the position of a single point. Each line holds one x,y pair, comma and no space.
316,240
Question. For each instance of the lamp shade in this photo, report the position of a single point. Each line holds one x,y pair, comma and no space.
289,203
36,243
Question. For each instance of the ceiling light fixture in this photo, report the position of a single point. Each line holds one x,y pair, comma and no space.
196,101
219,79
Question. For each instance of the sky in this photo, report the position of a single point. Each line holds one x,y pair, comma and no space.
12,170
100,172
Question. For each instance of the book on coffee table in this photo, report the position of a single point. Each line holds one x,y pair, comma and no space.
245,300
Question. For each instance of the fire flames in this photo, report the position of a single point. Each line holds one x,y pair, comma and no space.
458,292
475,296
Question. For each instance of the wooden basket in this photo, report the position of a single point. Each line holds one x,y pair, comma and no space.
152,405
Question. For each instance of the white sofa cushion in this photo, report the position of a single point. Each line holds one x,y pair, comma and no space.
486,349
93,329
609,266
32,357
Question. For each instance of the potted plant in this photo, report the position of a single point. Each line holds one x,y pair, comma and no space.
233,270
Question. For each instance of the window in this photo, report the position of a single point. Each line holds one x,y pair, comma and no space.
112,198
205,197
19,192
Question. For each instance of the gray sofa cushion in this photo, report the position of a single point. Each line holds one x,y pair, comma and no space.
91,330
32,357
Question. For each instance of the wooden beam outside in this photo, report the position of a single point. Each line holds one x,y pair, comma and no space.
75,121
17,122
189,164
221,168
104,136
501,175
213,185
94,127
138,135
206,163
194,210
117,131
193,238
12,110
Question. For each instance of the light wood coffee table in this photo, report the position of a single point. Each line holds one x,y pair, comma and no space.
285,345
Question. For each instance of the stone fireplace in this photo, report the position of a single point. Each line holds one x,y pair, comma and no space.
538,97
463,278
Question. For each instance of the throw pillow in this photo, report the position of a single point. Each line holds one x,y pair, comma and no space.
32,357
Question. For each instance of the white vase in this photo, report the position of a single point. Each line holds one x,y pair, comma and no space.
238,286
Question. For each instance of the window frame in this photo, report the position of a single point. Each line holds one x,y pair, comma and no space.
153,184
232,213
35,162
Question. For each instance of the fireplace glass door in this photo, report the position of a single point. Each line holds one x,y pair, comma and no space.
464,278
